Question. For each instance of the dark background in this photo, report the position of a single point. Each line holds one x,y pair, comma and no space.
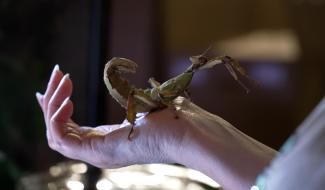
280,43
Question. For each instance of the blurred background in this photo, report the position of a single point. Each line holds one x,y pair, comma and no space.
280,43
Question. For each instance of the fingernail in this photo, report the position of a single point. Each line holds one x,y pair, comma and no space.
64,79
66,100
66,76
38,95
56,67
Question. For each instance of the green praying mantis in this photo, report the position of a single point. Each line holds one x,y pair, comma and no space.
159,96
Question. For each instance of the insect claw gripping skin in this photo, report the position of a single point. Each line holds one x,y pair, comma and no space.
160,96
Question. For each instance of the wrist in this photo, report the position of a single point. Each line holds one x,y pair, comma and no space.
214,147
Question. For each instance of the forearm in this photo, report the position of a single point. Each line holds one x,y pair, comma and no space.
228,156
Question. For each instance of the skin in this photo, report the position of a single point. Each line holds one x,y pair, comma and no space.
197,139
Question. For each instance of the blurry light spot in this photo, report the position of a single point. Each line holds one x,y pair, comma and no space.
254,188
141,179
51,186
198,176
280,45
79,168
194,186
156,176
75,185
55,171
154,180
75,177
166,170
174,183
104,184
127,179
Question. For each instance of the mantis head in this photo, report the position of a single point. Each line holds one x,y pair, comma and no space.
202,58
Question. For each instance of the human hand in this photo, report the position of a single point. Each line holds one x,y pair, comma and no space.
195,138
106,146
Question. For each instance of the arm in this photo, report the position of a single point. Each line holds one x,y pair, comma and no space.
216,148
197,139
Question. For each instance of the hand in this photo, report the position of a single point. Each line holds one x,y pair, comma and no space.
105,146
195,138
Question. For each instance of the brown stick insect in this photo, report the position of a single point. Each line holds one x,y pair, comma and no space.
160,95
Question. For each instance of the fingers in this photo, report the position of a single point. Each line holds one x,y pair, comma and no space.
39,98
44,99
102,146
55,79
59,88
60,118
62,92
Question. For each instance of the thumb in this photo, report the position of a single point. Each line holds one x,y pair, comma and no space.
39,98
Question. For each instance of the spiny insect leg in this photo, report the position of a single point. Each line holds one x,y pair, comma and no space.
131,133
242,71
230,65
234,75
131,113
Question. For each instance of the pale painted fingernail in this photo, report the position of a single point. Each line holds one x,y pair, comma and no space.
56,67
38,95
65,77
66,101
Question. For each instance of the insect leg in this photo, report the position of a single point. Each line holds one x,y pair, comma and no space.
131,113
234,75
228,64
241,70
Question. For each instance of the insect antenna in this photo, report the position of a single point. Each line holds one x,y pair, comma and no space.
207,50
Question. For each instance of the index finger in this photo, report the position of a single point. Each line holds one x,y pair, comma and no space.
54,81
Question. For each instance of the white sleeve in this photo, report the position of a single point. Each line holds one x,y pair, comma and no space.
301,161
